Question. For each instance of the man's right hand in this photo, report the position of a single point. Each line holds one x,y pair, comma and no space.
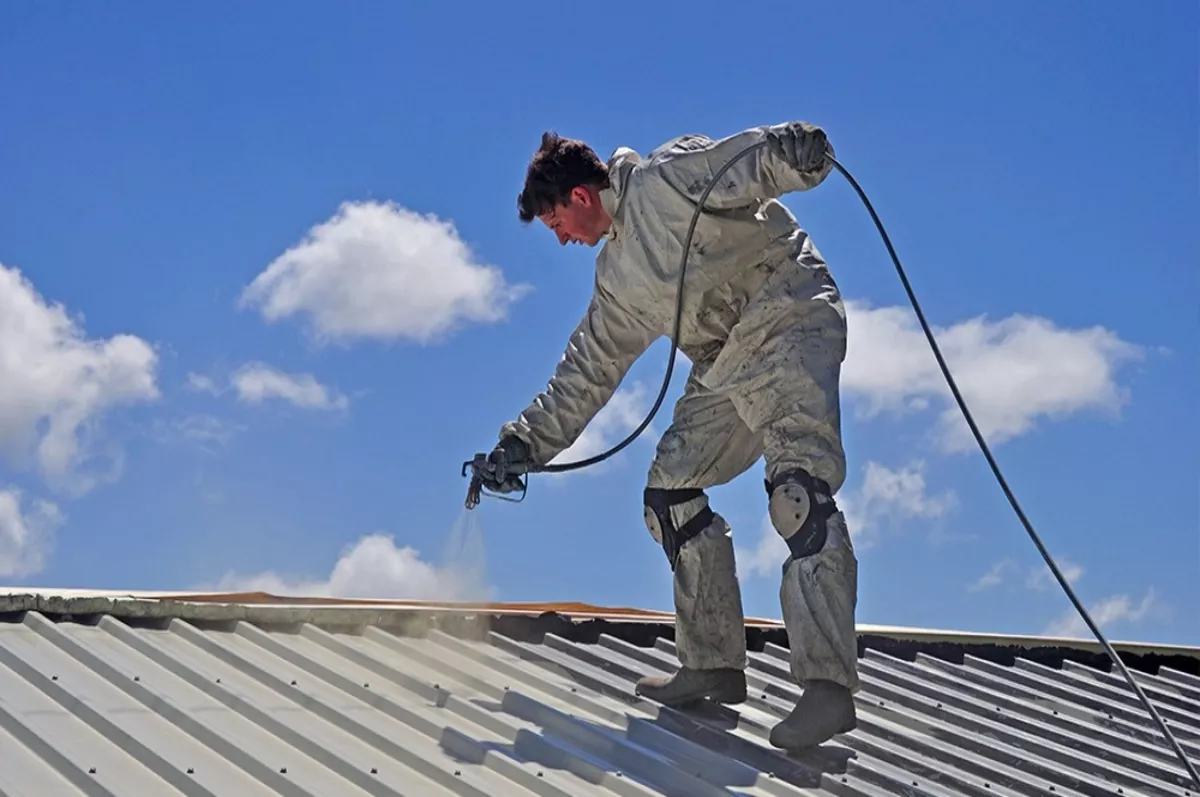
508,455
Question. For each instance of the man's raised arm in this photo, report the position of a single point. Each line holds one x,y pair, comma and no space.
793,159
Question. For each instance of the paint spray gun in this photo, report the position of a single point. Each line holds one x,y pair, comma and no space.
485,471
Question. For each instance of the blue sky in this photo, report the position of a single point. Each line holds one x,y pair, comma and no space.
263,290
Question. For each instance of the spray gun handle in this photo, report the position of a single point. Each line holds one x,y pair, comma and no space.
480,462
509,479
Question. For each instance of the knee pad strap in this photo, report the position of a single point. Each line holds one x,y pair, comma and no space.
800,505
658,503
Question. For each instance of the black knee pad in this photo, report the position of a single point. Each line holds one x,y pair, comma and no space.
657,512
800,506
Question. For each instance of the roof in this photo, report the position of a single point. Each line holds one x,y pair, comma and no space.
159,694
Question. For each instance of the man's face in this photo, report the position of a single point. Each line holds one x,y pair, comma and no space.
581,220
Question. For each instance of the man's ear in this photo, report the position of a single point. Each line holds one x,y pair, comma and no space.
581,195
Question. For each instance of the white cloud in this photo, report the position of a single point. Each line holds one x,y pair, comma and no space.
620,416
206,432
1013,373
258,382
992,578
1113,611
202,384
26,535
57,385
375,567
768,554
378,270
893,493
885,494
1038,577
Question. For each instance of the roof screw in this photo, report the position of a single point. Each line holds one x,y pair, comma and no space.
374,771
91,770
191,771
283,770
218,680
366,685
137,678
458,773
539,773
293,683
53,677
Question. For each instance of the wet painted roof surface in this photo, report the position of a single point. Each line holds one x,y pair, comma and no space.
101,705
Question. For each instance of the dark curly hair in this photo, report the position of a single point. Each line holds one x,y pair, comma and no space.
558,167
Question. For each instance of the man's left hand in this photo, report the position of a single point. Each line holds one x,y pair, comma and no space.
803,145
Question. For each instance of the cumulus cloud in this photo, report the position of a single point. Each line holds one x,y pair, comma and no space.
380,271
1115,611
58,384
257,382
1111,612
620,416
885,494
1013,373
26,533
893,493
376,567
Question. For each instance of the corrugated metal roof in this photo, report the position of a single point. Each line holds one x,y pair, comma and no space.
102,705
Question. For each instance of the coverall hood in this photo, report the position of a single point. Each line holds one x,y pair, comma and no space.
620,164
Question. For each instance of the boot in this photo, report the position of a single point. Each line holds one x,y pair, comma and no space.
689,686
823,711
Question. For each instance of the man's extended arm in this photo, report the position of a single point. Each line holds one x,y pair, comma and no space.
605,344
792,160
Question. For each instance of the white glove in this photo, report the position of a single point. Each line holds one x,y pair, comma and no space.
803,145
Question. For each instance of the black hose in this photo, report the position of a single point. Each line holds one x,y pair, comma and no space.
962,405
1012,499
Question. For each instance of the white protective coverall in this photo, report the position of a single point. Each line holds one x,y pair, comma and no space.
764,326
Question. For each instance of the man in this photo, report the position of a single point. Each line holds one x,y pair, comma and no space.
764,326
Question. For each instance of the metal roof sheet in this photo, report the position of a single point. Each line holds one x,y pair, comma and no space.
105,705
